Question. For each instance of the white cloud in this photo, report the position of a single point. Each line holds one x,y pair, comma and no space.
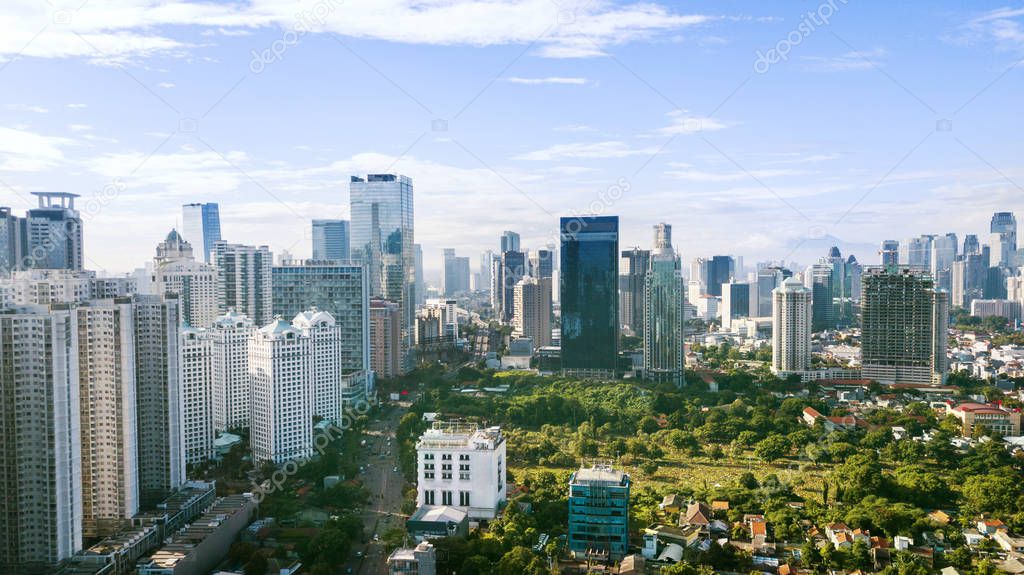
692,175
28,108
548,80
25,151
120,30
76,106
683,123
165,85
856,60
574,128
80,127
1001,27
587,150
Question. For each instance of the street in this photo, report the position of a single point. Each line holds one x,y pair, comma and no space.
384,481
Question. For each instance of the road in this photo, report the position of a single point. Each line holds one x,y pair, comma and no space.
380,460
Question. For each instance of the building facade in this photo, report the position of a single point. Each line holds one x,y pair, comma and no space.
589,300
230,386
244,280
634,264
532,311
200,224
281,363
903,331
599,513
462,466
197,395
791,328
175,271
385,338
663,303
331,240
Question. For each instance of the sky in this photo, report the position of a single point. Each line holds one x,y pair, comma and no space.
769,130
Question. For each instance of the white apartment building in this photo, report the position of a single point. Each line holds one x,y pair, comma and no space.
229,340
175,270
532,310
460,465
51,286
40,449
197,394
326,340
281,364
791,327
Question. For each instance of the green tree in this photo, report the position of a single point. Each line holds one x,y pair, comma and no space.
771,448
521,561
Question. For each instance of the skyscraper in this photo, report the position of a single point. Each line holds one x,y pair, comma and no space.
382,238
542,264
599,513
720,270
633,266
735,302
1004,239
40,446
509,242
385,338
54,233
13,243
175,271
197,395
791,327
918,252
200,225
456,273
903,332
819,279
330,240
231,387
532,310
280,368
971,244
663,299
768,278
421,284
889,254
244,280
944,253
337,287
513,269
589,295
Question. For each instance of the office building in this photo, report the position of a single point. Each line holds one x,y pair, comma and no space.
588,279
768,278
40,446
735,302
200,226
385,338
976,418
944,253
419,560
542,264
698,282
175,271
971,244
512,269
197,395
968,276
889,254
231,388
456,274
337,287
532,310
918,252
1003,239
53,233
462,466
903,331
792,311
819,279
663,323
244,280
599,513
996,308
13,242
331,240
281,362
157,322
720,270
509,242
633,266
382,238
421,285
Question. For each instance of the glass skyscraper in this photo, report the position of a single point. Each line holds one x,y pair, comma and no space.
330,240
663,311
382,238
588,282
200,226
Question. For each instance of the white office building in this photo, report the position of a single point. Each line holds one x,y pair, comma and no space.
281,363
791,327
460,465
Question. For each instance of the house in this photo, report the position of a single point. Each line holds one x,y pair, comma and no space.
719,507
671,503
990,526
810,416
839,534
902,543
632,565
697,513
940,517
1008,542
972,537
758,532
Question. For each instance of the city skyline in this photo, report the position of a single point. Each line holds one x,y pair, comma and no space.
189,123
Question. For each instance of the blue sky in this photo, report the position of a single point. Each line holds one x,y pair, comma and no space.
882,121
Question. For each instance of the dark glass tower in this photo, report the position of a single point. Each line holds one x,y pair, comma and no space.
589,295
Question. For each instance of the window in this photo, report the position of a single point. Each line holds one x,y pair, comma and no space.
446,456
446,498
464,498
428,497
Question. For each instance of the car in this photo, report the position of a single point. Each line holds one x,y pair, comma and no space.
359,554
396,470
376,537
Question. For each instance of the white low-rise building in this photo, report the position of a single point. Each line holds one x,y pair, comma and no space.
460,465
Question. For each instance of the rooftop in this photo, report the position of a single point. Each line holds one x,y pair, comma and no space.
599,475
